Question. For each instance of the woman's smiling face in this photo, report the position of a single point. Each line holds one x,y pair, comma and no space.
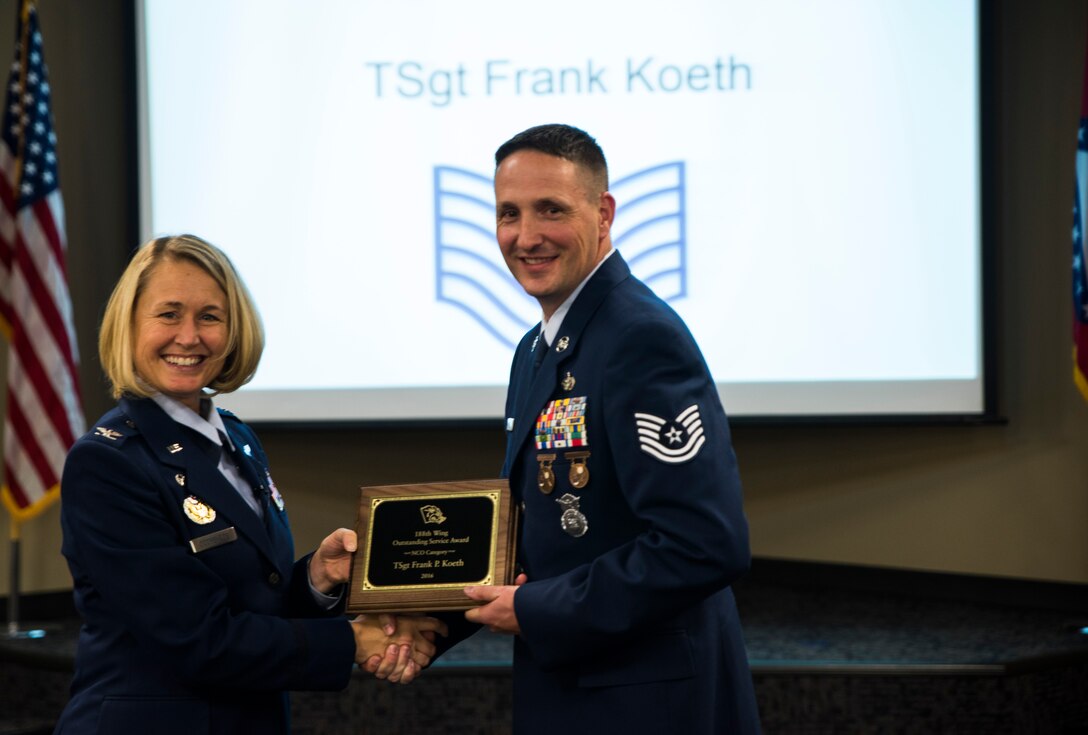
180,331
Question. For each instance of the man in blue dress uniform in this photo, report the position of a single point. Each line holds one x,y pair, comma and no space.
619,451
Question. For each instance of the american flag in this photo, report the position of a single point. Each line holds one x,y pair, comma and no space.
1080,282
44,416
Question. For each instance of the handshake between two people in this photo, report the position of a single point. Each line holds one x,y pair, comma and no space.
398,647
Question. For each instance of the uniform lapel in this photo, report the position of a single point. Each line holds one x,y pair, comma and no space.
542,384
198,470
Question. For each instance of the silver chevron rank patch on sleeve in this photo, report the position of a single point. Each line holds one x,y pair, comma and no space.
673,442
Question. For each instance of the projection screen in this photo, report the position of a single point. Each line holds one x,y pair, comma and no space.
800,180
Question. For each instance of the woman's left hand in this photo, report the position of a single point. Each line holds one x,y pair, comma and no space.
330,565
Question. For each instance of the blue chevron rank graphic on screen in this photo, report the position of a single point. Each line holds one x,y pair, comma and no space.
650,231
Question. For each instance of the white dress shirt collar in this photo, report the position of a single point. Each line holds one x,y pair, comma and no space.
208,426
549,328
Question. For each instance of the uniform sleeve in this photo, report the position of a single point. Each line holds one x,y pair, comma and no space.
131,563
676,470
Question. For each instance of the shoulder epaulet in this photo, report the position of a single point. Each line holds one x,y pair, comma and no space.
113,431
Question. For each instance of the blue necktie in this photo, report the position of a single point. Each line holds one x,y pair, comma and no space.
245,469
540,350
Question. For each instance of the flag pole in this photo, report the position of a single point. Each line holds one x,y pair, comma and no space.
14,628
13,581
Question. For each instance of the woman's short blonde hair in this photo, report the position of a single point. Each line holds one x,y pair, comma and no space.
116,340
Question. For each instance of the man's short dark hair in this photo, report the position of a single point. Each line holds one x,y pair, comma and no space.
563,141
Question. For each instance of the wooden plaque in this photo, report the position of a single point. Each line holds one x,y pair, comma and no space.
421,545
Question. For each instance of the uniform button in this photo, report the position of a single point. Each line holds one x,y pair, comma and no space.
523,506
274,579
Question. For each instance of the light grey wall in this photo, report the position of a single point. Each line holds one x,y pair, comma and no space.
998,500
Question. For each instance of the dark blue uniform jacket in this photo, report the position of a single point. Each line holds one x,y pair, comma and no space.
628,621
185,631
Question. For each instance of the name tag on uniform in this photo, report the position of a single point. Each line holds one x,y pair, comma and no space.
210,541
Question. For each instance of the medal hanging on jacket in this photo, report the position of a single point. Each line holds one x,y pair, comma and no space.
545,477
579,471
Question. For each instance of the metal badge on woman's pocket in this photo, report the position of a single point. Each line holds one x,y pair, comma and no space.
197,511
